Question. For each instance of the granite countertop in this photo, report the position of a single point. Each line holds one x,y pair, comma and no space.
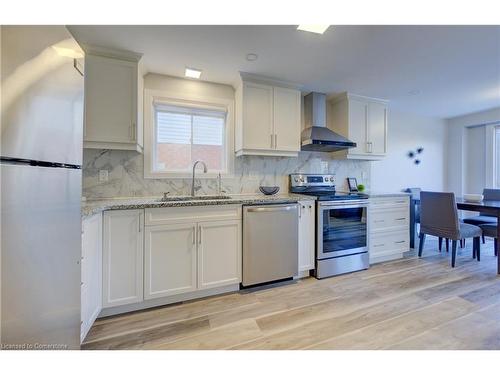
92,207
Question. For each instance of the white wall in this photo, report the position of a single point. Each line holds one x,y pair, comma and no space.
475,159
406,132
187,86
460,148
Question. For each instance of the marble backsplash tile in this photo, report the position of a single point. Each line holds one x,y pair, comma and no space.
126,174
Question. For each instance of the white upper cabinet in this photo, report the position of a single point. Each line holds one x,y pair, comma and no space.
113,102
258,111
377,129
362,120
286,119
267,118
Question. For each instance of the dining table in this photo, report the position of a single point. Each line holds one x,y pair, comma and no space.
490,207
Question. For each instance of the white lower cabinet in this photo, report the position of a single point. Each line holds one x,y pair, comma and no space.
123,254
306,235
91,269
170,260
388,228
190,250
219,253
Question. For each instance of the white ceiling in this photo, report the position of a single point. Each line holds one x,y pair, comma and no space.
453,70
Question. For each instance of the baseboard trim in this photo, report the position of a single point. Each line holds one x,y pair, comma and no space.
167,300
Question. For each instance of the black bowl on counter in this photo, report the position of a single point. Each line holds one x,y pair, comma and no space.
269,190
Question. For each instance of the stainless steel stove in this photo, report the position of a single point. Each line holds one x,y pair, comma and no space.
341,224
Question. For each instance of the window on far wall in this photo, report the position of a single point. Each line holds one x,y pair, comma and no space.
184,134
497,157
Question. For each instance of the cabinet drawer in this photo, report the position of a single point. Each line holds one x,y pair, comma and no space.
381,244
176,215
388,218
389,202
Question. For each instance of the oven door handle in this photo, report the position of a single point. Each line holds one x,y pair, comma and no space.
329,206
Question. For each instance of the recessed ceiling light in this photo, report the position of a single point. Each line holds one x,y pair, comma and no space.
252,56
192,73
318,29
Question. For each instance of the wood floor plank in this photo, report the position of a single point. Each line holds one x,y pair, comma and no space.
391,331
154,335
321,330
473,331
221,338
136,321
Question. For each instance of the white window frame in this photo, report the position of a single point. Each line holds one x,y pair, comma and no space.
490,157
152,97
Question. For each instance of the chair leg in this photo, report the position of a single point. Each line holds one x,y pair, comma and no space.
440,243
478,248
447,245
421,244
462,243
474,248
495,244
453,252
484,241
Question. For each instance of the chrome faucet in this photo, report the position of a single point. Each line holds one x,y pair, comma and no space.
193,189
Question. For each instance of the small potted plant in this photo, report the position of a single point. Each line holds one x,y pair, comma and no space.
361,187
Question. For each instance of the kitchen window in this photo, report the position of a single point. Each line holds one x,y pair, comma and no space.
180,131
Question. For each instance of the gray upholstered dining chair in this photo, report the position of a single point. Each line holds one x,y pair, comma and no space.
439,217
415,196
490,230
489,194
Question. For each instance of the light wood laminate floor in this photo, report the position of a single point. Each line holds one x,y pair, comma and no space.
405,304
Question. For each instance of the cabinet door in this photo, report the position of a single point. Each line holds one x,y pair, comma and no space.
358,120
91,288
286,112
110,100
257,116
377,128
170,260
306,236
219,253
123,257
388,245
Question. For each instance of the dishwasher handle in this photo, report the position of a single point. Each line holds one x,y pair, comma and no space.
287,207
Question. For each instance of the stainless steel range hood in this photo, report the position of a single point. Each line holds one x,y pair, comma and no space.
316,136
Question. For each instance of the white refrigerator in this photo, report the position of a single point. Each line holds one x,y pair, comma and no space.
41,157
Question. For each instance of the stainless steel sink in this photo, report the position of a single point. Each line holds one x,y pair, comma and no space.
196,198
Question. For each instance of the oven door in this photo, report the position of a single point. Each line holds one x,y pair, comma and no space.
341,229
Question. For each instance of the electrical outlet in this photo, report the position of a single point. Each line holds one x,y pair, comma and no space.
324,166
103,175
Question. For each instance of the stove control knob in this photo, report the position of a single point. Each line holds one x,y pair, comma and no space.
296,179
302,179
331,179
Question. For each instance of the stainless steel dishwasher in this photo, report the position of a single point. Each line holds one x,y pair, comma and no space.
270,243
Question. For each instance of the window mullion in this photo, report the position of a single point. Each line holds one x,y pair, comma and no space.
192,137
